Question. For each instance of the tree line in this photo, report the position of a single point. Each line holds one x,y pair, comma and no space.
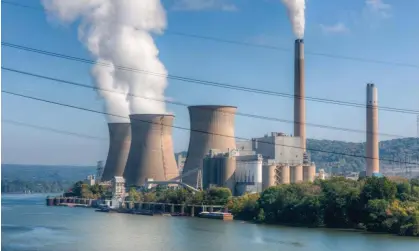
373,204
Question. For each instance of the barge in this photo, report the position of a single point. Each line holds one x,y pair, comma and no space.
216,215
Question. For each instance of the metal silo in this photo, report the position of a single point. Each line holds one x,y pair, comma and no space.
212,127
119,145
151,154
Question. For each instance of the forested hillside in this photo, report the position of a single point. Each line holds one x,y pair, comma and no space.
41,179
404,150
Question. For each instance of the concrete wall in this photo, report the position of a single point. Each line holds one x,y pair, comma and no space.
249,168
151,154
282,149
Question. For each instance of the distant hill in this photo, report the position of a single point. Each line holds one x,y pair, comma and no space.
41,179
402,150
45,173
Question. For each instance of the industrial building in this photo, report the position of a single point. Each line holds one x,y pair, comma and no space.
212,127
277,146
151,153
251,173
119,147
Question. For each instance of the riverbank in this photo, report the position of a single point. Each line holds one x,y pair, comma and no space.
29,225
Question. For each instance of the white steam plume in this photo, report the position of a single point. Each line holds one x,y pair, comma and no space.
296,14
118,32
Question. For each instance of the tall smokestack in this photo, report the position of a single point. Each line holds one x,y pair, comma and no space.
119,145
151,154
212,127
372,150
299,93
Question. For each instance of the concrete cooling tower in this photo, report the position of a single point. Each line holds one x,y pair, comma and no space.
212,127
119,145
151,154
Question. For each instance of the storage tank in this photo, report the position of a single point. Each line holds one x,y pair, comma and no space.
296,173
268,176
227,169
119,145
212,127
309,173
285,174
151,154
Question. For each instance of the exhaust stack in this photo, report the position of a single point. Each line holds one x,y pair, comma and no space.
119,144
151,154
299,93
372,148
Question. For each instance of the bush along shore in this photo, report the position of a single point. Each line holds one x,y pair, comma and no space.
372,204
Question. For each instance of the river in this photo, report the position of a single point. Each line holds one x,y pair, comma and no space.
28,225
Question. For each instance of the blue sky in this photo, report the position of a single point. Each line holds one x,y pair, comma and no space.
384,30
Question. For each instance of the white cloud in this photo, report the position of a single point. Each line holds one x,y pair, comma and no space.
335,28
379,7
197,5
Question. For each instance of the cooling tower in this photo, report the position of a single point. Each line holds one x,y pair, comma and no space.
285,175
296,174
212,127
151,154
119,145
299,93
372,151
268,176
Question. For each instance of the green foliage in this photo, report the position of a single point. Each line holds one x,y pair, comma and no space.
373,203
217,196
83,190
378,188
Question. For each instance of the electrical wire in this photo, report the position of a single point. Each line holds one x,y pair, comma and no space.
203,82
192,130
57,80
44,128
248,44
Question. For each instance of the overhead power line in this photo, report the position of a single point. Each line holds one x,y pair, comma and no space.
248,44
61,81
203,82
50,129
188,129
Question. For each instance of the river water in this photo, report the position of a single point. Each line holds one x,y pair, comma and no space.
28,225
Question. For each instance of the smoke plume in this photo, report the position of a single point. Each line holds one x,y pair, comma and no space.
118,32
296,15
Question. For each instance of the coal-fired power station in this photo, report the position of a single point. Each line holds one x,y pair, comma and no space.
119,145
151,154
299,93
372,147
212,127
